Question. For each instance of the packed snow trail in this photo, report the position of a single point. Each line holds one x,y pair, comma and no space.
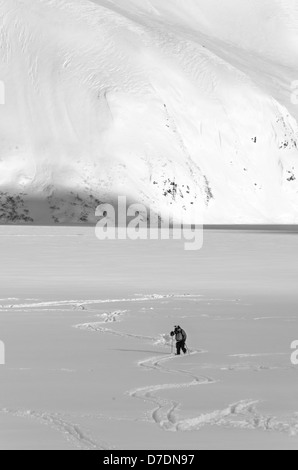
70,431
165,413
240,415
85,303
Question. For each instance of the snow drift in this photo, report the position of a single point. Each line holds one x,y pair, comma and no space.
173,104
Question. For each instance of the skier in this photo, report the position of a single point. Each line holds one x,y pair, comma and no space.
181,338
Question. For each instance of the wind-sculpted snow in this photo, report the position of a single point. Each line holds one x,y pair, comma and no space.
106,98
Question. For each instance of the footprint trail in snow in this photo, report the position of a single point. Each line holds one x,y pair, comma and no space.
165,413
240,415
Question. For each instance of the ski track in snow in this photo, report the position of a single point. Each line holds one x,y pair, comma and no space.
71,432
82,303
243,356
164,413
240,415
285,319
250,367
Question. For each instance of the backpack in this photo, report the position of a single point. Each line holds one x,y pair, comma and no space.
181,336
184,335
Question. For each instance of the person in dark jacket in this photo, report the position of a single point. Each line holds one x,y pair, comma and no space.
181,338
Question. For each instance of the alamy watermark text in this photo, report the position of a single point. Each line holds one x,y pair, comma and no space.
137,222
294,356
2,353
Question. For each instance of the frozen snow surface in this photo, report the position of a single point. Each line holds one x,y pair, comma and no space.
175,104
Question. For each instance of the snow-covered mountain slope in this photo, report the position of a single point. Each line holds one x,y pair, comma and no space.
178,105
